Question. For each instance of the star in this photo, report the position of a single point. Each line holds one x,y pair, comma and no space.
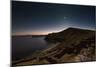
65,17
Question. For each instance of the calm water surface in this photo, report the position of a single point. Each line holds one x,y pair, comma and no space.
25,46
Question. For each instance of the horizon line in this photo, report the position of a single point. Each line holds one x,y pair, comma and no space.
50,32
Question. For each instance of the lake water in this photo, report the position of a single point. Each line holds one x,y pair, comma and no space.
25,46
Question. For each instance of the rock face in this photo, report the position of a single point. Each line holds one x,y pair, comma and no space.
72,45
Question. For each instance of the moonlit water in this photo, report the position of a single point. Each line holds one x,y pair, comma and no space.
25,46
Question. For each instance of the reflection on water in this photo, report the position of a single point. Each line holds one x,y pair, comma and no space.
24,46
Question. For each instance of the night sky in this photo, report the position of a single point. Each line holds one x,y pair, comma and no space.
31,18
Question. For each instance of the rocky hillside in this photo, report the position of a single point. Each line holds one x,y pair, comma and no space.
69,35
71,45
74,41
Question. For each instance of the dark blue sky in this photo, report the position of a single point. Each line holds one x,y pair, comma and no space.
43,18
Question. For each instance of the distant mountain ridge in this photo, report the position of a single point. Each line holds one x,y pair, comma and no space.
28,35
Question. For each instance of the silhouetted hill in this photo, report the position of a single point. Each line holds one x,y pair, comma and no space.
69,34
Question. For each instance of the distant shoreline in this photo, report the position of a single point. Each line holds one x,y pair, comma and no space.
27,35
